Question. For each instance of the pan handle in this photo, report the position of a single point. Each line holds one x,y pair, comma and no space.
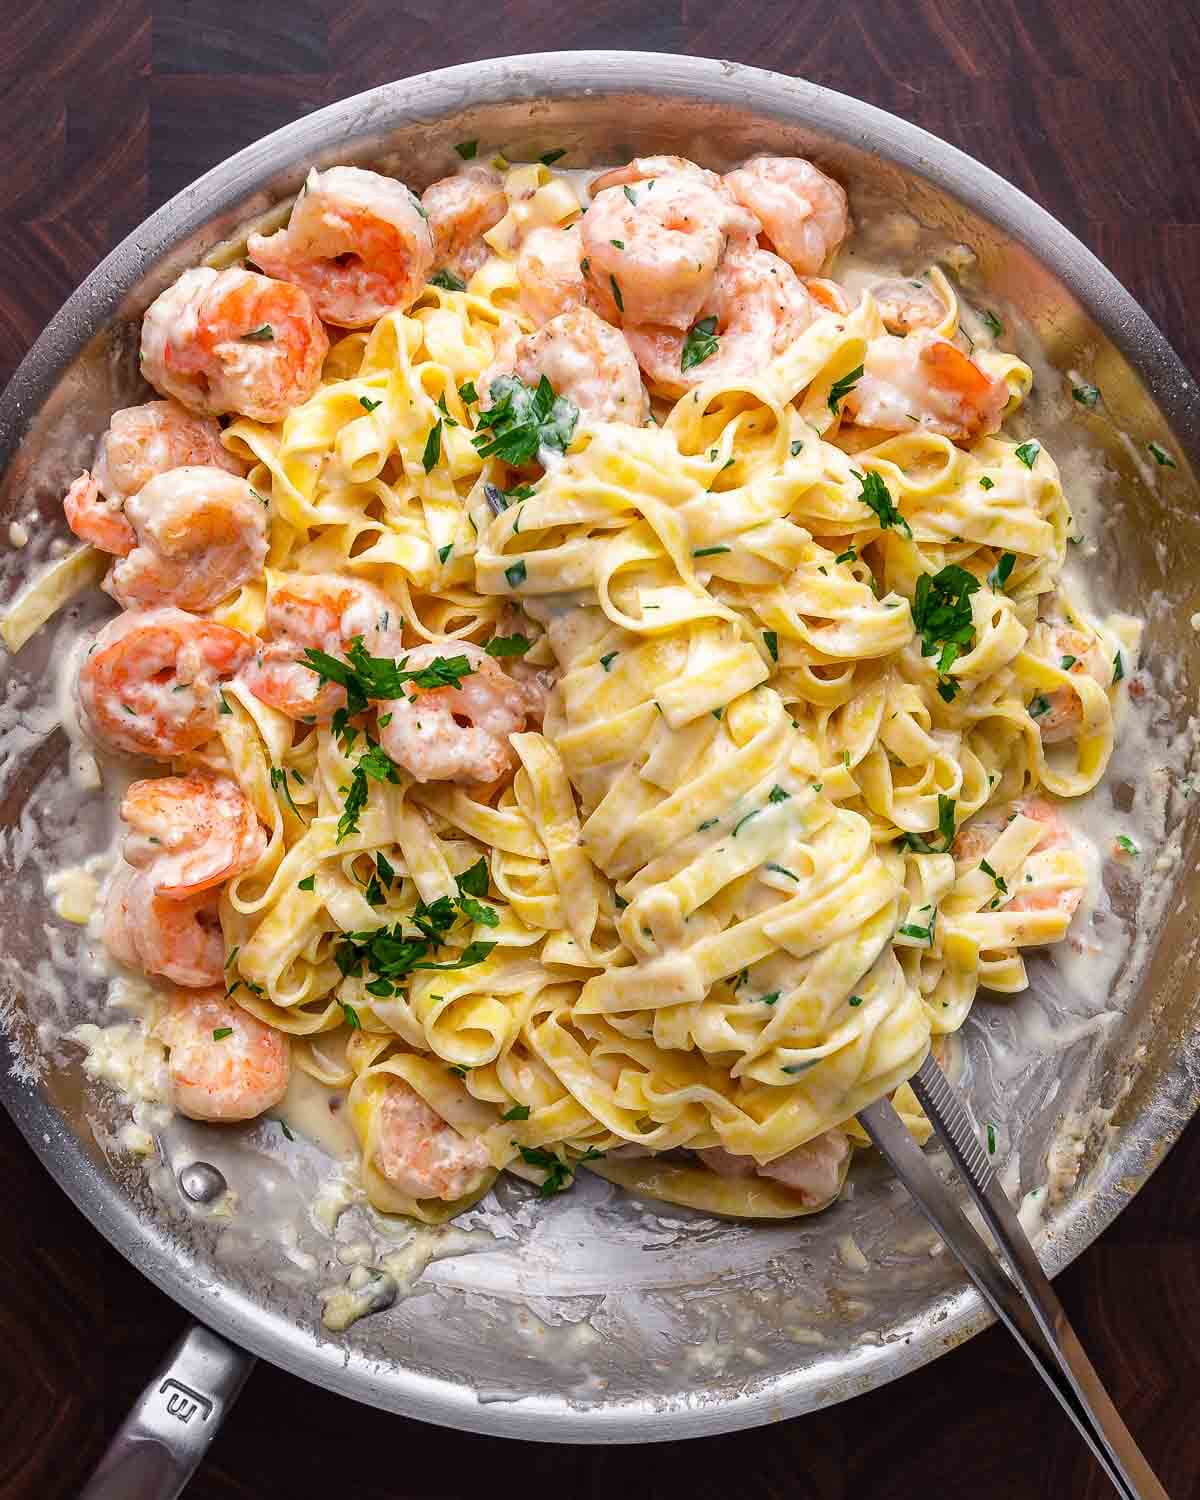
161,1442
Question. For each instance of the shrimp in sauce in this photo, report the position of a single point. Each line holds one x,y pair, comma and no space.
803,213
420,1153
190,832
974,841
224,1064
178,938
460,210
907,306
760,306
1080,655
200,534
652,249
457,734
586,360
357,242
234,341
548,272
322,611
813,1170
925,381
149,685
145,441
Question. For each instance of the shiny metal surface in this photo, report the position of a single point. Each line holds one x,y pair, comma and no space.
593,1317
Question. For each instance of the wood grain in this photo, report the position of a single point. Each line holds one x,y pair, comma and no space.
1090,106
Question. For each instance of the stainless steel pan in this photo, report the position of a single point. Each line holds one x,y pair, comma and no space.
594,1318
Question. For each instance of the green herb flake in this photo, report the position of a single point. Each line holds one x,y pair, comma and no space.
617,244
1160,456
850,555
223,707
842,387
607,661
876,497
1118,668
221,1033
367,404
991,322
707,824
797,447
263,335
710,551
783,870
558,1173
523,419
309,883
350,1016
1127,844
448,281
467,149
1068,662
508,645
616,290
1027,453
468,393
854,1001
701,344
942,614
517,1112
433,447
741,822
922,934
777,794
1086,395
769,999
991,1140
999,576
516,574
1039,706
283,1125
444,552
280,783
548,158
998,880
630,194
771,638
986,484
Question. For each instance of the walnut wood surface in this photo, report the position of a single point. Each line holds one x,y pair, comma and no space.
1092,107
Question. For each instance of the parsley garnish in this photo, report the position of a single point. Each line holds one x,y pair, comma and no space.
999,880
224,707
919,844
942,613
701,344
607,661
848,556
350,1016
448,281
468,392
365,677
783,870
548,158
1160,456
854,1000
987,484
992,323
367,404
377,765
840,389
508,645
1028,452
708,823
771,637
616,290
516,574
710,551
797,446
517,1112
998,577
630,194
925,934
222,1032
1127,844
1068,662
433,447
467,149
284,1127
1118,668
522,420
280,783
777,794
307,884
741,822
877,497
1086,395
262,335
558,1173
991,1140
1039,706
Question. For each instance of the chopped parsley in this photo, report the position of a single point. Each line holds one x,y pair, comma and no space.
777,794
783,870
263,335
986,484
1068,662
771,638
378,766
1118,668
1160,456
842,387
365,677
222,1032
701,344
517,1112
991,1140
769,999
279,782
224,707
516,574
309,883
1039,706
630,194
1126,843
710,551
921,845
848,556
468,393
991,322
797,446
522,420
367,404
284,1127
616,290
707,824
741,822
877,497
433,447
448,281
1028,452
444,552
548,158
558,1174
923,934
942,614
350,1016
854,1000
1086,395
999,881
607,661
508,645
467,149
998,577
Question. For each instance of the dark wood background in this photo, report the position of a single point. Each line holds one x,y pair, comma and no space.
107,107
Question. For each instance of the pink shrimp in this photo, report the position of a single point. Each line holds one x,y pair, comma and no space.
224,1064
906,306
200,533
176,937
149,685
234,341
585,359
802,211
974,841
549,274
923,381
813,1170
759,307
457,734
460,210
357,242
324,611
651,168
145,441
652,250
421,1154
96,520
191,832
1080,655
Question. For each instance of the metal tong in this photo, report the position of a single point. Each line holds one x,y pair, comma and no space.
1026,1303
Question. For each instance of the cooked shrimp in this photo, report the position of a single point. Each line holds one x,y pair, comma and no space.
803,213
585,359
145,441
456,734
421,1154
826,293
149,684
813,1170
548,270
94,519
974,841
191,832
924,381
224,1063
233,341
651,168
179,938
358,244
760,306
1061,720
652,250
907,306
200,534
460,210
324,611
